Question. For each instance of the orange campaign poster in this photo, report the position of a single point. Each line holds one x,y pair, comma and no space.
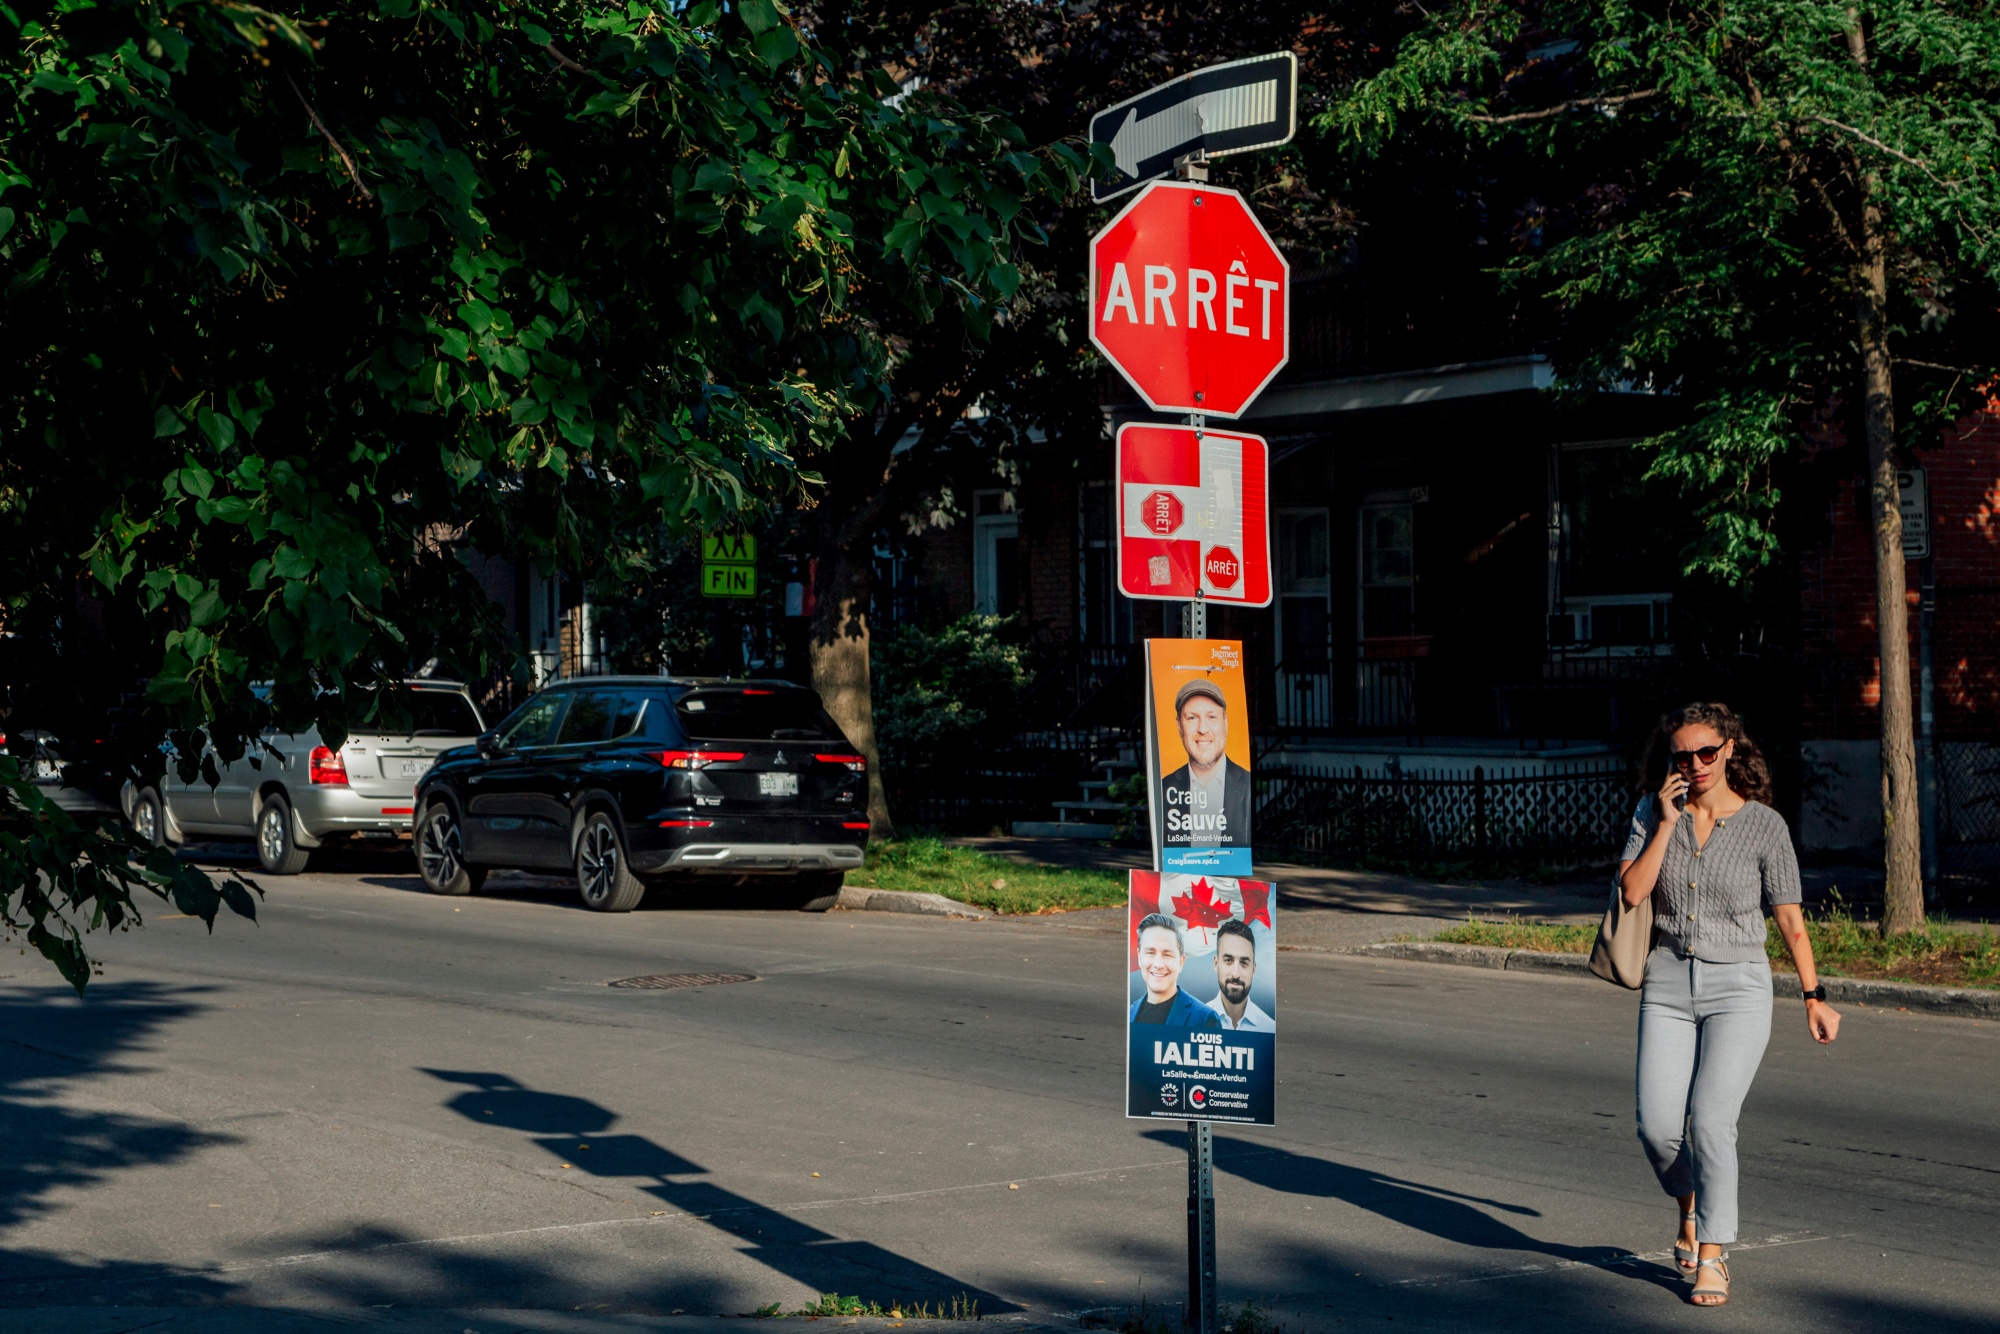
1198,756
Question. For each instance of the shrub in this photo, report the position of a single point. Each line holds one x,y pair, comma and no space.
942,693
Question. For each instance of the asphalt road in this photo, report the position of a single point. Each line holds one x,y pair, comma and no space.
378,1098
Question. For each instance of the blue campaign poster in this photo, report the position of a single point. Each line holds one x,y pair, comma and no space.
1201,999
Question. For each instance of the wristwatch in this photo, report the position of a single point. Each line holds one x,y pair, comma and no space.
1818,993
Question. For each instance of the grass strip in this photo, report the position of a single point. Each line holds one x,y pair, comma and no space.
985,881
1936,954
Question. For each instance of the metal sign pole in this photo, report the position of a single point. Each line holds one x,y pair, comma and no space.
1200,1317
1201,1229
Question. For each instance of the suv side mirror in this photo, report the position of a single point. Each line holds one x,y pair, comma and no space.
488,744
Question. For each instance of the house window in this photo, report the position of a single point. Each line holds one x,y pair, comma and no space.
996,549
1621,541
1388,570
1105,614
1305,589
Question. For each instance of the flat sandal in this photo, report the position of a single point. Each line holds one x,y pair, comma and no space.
1720,1263
1685,1256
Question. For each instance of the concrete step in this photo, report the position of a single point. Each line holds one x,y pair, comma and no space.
1101,833
1112,807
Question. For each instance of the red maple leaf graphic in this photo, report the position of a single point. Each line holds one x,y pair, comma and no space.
1201,909
1256,901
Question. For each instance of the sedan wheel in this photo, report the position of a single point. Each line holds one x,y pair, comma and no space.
603,879
440,858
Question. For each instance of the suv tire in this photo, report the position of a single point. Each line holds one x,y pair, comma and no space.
603,876
149,817
813,891
276,852
440,854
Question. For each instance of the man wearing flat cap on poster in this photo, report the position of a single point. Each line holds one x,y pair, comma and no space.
1206,802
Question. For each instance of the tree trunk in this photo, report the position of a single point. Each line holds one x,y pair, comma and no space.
1903,891
1902,841
840,667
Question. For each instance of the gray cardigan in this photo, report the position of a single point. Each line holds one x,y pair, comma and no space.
1711,903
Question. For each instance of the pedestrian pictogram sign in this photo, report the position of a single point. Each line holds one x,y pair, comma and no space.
1219,482
729,566
1190,299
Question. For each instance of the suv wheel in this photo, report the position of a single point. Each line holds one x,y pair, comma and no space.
814,891
603,878
440,855
276,852
149,819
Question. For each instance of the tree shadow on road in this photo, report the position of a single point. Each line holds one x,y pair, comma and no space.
562,1125
52,1045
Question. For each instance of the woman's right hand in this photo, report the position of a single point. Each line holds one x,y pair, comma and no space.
1672,793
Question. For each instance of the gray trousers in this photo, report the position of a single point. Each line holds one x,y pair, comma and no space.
1703,1028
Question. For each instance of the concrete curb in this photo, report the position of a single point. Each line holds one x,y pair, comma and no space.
862,898
1962,1002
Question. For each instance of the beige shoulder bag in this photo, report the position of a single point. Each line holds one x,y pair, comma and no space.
1624,939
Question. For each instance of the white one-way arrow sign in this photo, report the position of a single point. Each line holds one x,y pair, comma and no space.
1229,108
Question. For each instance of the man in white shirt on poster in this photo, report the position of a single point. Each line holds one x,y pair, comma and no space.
1235,971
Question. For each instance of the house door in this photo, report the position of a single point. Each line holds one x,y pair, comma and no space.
1305,623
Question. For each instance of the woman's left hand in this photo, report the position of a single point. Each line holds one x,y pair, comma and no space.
1822,1021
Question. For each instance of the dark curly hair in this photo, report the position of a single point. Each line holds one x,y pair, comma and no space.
1749,776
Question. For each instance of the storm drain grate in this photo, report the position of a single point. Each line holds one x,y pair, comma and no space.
668,981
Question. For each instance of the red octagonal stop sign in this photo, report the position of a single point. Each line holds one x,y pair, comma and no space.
1222,567
1162,512
1190,299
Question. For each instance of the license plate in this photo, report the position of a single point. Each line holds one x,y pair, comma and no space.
777,785
415,768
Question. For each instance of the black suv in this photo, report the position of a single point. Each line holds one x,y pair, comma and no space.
626,778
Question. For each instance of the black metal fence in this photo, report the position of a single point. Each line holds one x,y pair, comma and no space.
1969,809
1575,816
986,792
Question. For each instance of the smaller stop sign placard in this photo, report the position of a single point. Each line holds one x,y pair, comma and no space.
1190,299
1193,514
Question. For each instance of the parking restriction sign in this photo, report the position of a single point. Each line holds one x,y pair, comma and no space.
1193,514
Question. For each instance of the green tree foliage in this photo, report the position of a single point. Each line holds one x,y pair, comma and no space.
303,304
1786,213
947,693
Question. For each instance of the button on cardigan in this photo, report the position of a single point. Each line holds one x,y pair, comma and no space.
1710,902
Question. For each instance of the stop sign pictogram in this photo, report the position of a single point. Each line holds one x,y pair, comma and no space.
1190,299
1162,512
1222,567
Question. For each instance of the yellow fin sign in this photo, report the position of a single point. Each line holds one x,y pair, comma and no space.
729,581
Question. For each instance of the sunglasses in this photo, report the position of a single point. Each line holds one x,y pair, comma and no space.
1684,759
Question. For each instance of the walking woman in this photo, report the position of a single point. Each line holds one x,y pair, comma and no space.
1715,856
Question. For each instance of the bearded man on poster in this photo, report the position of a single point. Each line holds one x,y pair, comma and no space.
1206,802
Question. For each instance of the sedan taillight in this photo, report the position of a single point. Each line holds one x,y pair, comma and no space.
327,767
697,759
855,763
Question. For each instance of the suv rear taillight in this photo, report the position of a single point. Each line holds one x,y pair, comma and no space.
327,767
854,763
697,759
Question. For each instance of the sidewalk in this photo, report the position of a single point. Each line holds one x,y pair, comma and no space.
1579,900
1346,890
